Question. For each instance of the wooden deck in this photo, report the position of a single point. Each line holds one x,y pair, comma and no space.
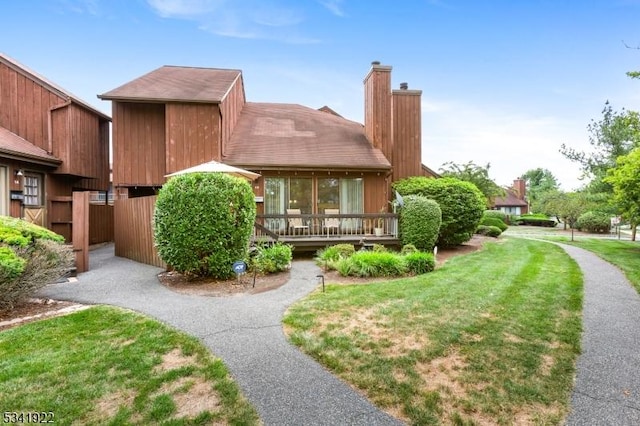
310,232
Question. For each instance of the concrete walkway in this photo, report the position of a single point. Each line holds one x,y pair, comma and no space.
286,386
607,388
289,388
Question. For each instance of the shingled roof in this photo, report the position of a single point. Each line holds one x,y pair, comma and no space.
510,200
171,83
13,146
273,136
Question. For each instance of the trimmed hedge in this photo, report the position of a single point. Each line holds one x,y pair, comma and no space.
597,222
489,231
535,220
461,203
494,221
420,220
203,222
499,214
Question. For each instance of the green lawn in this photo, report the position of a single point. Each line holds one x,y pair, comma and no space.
109,366
490,337
624,254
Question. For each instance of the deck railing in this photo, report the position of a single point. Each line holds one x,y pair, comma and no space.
277,226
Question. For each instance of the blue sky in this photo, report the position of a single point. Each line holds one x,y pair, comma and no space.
504,82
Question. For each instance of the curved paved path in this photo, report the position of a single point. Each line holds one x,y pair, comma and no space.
607,387
289,388
286,386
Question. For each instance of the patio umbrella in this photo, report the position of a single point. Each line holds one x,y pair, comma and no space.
217,167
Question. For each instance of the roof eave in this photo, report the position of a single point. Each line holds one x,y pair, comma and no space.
21,156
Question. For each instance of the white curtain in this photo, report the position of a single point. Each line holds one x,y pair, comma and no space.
351,201
275,195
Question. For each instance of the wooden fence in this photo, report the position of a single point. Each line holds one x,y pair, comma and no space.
133,232
100,223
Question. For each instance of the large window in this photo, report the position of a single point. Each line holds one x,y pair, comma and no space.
32,189
280,194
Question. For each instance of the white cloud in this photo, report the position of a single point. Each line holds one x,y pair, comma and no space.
334,6
249,19
511,142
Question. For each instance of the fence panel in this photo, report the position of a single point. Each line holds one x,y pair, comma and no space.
133,232
100,223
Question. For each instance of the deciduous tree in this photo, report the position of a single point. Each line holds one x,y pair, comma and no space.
625,179
477,175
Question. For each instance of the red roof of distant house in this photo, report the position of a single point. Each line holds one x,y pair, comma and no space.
510,200
271,136
13,145
171,83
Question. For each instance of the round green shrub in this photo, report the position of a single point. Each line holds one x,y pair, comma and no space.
494,221
420,220
273,258
461,203
489,231
592,221
420,262
336,252
203,222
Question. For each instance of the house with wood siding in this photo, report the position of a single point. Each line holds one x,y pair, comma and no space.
51,144
310,160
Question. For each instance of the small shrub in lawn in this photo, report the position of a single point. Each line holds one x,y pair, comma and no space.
494,221
30,258
379,248
594,222
202,223
373,264
489,231
408,248
420,220
420,262
274,258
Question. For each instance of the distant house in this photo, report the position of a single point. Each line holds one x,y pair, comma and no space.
514,202
51,144
309,160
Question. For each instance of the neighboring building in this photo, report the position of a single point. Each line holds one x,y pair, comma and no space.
51,144
514,202
309,160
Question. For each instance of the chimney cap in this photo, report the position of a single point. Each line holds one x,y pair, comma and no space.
375,62
404,86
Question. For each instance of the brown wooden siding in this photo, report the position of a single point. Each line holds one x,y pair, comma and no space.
133,233
100,223
24,106
79,141
230,109
406,134
138,144
193,135
377,109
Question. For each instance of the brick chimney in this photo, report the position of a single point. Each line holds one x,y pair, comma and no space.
377,108
520,188
407,132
